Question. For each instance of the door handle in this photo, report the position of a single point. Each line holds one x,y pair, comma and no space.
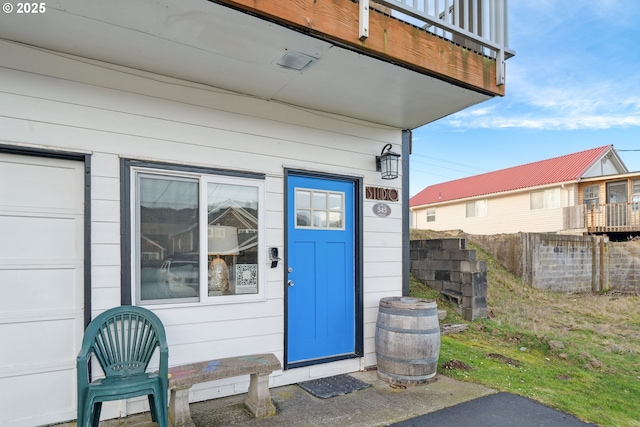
290,283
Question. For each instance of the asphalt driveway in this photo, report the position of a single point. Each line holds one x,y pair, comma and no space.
496,410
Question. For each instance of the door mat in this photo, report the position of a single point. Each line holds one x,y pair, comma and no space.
333,386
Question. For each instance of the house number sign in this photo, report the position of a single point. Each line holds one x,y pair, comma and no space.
379,193
382,209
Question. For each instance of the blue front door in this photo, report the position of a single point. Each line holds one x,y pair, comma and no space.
320,269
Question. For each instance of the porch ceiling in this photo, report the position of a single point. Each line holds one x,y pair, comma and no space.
205,42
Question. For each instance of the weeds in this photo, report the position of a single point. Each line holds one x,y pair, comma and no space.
579,353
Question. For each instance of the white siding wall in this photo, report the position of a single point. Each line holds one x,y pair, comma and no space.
505,214
52,101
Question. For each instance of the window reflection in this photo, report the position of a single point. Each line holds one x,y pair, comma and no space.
170,228
168,238
232,244
319,209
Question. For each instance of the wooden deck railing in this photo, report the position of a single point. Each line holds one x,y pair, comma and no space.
480,25
612,217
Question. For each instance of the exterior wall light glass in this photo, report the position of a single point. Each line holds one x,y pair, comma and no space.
387,163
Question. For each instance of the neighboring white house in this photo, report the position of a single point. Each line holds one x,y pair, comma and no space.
526,198
139,141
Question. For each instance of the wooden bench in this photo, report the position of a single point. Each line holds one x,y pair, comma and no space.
258,399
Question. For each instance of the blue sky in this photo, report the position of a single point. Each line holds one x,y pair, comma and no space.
574,84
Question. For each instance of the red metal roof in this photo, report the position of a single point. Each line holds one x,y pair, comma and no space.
569,167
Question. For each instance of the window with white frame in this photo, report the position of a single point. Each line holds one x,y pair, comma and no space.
319,209
431,214
477,208
545,199
205,230
591,196
635,195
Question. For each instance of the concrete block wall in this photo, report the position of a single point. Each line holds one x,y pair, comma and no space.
566,261
624,266
446,265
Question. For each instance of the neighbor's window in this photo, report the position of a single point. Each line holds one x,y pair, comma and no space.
546,199
591,195
635,194
195,236
477,208
431,215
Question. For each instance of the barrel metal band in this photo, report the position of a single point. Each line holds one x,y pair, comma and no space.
410,378
409,331
410,313
408,361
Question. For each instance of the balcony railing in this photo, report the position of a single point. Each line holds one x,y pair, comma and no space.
479,25
605,218
612,217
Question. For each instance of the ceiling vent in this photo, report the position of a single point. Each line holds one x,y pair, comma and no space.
295,60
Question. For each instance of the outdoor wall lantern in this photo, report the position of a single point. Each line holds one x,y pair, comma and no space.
387,163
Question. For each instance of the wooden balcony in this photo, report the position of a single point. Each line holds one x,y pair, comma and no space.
464,41
604,218
400,63
613,218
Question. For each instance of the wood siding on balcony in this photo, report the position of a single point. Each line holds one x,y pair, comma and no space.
389,39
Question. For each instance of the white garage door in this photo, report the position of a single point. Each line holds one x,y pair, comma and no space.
41,288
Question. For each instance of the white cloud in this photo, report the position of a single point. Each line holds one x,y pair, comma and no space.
556,122
574,69
542,100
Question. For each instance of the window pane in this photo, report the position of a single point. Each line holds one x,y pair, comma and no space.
232,243
335,201
335,219
481,208
471,209
431,215
303,199
303,218
537,200
319,219
591,192
319,200
552,198
168,238
635,190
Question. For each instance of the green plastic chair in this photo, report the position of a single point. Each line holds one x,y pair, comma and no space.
123,339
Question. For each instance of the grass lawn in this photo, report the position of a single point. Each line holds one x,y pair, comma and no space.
578,353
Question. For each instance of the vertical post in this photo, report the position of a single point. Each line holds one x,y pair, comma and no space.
465,16
364,20
492,20
406,152
447,12
456,13
499,23
594,264
601,287
505,11
475,15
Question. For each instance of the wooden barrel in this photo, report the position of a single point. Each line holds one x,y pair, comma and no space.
407,340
